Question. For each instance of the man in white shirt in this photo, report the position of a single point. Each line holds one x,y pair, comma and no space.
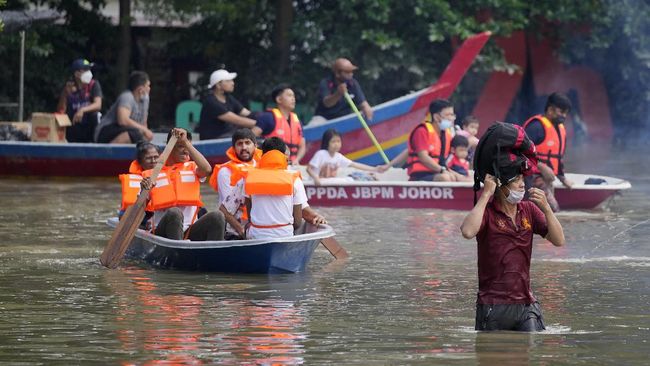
274,195
228,180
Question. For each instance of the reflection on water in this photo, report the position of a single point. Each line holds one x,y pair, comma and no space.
405,297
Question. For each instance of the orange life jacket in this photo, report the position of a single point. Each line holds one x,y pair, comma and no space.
413,163
271,178
290,133
135,168
176,185
236,167
551,150
130,189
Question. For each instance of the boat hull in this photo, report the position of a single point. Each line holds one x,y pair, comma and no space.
282,255
433,195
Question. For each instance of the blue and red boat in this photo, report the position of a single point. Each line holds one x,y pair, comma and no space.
391,124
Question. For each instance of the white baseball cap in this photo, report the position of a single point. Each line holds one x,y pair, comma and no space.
220,75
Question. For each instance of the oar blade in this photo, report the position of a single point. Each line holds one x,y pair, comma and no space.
123,234
333,246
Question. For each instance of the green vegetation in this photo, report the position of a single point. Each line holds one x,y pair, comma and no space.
402,46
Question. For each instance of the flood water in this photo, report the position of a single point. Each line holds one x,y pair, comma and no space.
406,296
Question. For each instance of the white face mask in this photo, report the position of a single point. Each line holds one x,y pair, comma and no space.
515,197
86,77
144,98
445,124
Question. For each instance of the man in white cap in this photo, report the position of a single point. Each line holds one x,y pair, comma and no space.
222,114
331,91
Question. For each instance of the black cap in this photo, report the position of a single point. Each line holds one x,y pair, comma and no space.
81,64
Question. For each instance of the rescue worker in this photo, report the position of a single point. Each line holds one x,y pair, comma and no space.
548,133
504,228
429,145
274,195
175,198
283,123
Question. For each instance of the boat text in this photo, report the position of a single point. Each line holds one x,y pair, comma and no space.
411,193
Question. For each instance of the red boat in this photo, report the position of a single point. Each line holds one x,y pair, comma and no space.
393,190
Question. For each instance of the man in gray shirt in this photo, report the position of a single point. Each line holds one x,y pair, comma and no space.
126,120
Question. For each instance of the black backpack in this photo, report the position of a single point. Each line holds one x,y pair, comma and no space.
503,147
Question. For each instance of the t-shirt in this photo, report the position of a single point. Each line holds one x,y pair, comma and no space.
504,252
210,125
327,87
535,131
82,97
267,210
139,111
326,165
231,197
457,165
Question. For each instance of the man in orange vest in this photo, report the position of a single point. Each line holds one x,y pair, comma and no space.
274,195
429,145
548,133
175,198
227,180
283,123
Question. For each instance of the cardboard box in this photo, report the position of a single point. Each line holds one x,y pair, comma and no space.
49,127
24,127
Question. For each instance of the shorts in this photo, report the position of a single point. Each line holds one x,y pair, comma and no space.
109,132
423,176
517,317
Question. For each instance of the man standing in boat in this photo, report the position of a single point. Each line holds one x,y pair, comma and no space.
331,93
227,180
283,122
176,195
548,134
504,226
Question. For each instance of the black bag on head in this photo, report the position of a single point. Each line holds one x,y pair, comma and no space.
504,151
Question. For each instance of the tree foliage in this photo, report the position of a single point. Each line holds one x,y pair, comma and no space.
400,46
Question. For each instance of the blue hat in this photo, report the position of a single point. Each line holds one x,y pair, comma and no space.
81,64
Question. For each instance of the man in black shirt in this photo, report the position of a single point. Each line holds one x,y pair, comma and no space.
331,100
222,114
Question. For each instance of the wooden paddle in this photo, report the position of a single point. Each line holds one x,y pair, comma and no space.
130,221
333,246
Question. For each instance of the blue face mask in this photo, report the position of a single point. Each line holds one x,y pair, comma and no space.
445,124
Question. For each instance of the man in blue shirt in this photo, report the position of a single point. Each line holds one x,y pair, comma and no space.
331,100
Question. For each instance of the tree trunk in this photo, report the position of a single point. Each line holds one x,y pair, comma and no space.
281,33
124,50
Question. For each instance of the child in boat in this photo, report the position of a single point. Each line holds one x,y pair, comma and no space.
469,129
457,160
327,161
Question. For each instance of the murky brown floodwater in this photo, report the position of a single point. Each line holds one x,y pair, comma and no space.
405,297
